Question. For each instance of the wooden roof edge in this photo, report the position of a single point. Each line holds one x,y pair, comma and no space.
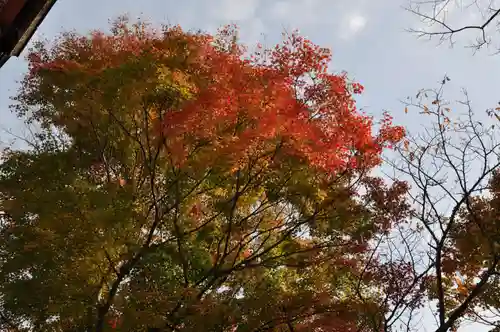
3,58
30,31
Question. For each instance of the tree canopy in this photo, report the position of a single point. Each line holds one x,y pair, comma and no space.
178,182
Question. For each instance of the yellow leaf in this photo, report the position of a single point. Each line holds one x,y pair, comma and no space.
321,194
153,115
219,192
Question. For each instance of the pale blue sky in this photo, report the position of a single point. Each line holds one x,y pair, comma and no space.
367,38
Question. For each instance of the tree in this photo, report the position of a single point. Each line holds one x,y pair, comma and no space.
451,245
443,19
177,184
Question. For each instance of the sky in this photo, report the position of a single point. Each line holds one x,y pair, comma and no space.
368,39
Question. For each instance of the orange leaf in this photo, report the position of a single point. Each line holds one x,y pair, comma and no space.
463,290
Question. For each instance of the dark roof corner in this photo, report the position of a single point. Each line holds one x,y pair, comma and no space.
3,59
19,20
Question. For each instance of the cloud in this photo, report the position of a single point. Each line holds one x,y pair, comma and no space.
234,10
311,15
356,23
280,9
351,25
300,12
242,12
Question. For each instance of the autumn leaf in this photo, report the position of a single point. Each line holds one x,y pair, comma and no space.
122,182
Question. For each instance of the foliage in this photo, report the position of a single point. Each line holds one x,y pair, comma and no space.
451,244
178,183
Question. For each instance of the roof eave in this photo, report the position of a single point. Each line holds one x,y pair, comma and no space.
30,31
